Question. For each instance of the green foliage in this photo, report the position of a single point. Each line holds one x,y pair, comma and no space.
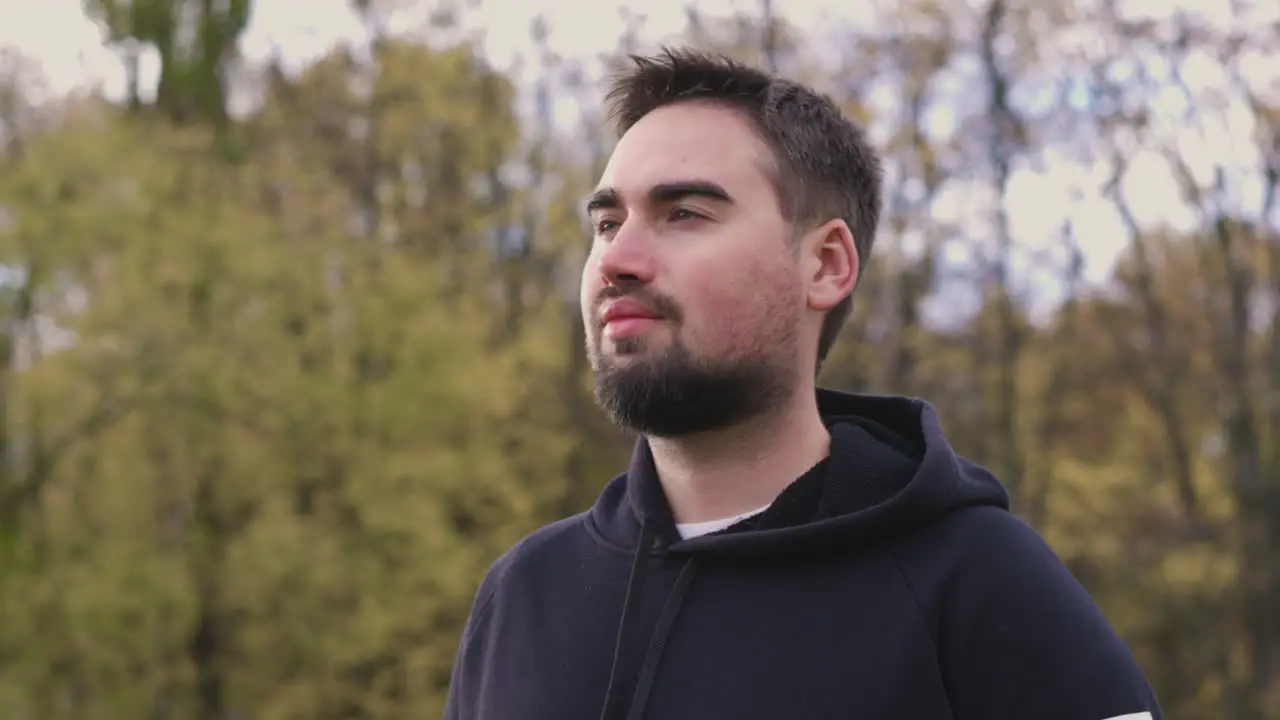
307,431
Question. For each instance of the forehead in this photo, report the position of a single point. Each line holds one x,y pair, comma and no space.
692,140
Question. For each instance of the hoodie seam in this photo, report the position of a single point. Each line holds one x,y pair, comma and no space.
915,597
930,630
480,617
485,604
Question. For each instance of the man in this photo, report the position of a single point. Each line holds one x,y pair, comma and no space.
775,550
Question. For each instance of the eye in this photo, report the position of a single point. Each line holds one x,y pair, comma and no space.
605,226
679,214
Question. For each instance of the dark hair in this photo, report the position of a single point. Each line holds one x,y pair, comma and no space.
824,166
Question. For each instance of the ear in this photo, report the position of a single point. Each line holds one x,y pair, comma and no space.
831,264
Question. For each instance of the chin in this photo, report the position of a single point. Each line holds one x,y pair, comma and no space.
629,347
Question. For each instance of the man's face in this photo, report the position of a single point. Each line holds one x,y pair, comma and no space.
692,296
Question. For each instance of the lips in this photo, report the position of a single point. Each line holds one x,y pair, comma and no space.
621,310
627,318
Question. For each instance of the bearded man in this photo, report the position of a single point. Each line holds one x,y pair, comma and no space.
775,549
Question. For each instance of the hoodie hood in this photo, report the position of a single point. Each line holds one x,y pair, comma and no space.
890,469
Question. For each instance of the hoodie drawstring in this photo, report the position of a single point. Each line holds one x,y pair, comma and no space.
661,632
649,670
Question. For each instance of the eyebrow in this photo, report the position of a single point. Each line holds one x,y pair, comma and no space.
663,194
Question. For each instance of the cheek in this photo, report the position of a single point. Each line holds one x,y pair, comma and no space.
761,301
589,284
729,312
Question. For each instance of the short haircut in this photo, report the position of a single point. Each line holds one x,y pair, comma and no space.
824,167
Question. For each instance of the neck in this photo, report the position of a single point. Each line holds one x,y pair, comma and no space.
739,469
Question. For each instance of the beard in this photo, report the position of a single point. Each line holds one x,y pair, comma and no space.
670,393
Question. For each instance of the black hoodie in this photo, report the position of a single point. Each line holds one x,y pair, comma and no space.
890,582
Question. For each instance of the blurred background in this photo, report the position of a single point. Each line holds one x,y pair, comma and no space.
291,352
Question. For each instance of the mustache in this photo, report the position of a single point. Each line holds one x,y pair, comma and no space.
660,304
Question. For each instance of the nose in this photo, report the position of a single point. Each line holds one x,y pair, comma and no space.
627,259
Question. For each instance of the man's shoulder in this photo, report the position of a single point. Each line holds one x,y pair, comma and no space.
544,542
986,539
531,553
976,527
1018,634
984,552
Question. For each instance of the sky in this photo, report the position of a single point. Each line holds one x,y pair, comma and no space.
69,47
69,50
